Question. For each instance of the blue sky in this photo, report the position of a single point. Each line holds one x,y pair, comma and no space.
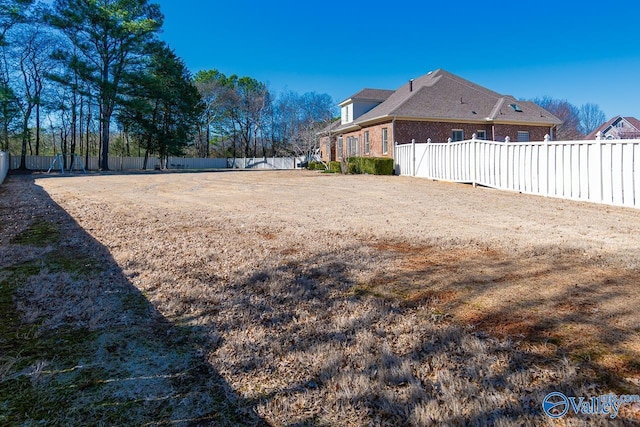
582,52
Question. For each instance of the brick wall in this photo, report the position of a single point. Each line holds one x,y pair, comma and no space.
328,150
375,141
439,132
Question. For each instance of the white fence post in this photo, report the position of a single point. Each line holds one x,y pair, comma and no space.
600,172
413,157
4,165
545,164
474,163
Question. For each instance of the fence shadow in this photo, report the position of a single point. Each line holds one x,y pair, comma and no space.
323,339
81,345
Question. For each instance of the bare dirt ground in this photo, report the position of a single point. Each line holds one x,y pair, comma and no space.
321,299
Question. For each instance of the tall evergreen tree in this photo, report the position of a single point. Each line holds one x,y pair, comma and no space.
163,105
112,36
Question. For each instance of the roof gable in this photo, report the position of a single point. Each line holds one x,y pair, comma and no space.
633,122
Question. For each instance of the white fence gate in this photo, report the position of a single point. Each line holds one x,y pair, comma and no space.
601,171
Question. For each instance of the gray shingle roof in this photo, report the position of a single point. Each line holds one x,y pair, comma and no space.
371,95
440,95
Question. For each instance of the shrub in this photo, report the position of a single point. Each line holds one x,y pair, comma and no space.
371,165
335,167
316,166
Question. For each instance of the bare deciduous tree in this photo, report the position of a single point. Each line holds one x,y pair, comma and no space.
565,111
591,117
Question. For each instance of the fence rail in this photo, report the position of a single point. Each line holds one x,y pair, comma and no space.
601,171
44,163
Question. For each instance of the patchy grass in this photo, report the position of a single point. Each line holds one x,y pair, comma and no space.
80,346
39,233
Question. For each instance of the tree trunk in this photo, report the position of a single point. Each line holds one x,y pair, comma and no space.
63,143
74,124
126,140
25,139
105,145
86,154
208,139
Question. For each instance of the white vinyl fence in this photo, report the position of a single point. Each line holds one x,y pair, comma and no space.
4,165
265,163
44,163
601,171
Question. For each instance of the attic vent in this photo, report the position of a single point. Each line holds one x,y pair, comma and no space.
516,108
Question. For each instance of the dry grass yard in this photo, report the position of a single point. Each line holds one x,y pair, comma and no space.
298,298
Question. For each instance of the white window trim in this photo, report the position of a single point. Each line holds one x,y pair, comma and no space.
385,143
367,143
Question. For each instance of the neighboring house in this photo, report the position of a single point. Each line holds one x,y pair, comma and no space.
437,106
618,128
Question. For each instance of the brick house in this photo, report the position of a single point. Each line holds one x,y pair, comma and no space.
618,128
437,106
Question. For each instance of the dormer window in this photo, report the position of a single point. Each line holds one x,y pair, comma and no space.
347,113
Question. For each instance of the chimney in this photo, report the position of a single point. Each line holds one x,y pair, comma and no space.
411,85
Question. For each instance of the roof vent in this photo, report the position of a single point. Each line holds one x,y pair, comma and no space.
411,85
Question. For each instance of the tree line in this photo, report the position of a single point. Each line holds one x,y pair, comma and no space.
92,77
577,122
89,77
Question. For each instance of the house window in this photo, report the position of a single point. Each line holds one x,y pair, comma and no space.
340,147
367,146
457,135
523,136
620,124
481,134
352,145
385,141
328,150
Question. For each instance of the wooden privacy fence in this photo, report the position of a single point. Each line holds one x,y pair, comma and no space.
4,165
43,163
601,171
